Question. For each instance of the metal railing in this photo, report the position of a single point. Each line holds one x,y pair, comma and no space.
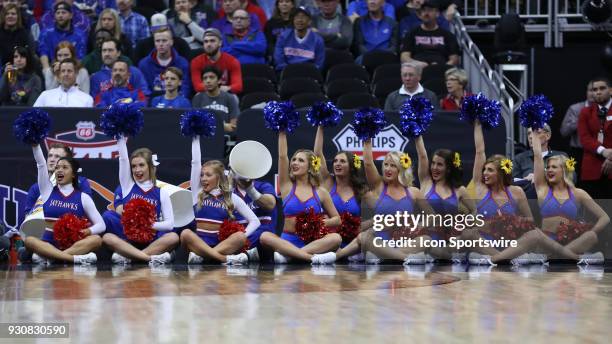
485,79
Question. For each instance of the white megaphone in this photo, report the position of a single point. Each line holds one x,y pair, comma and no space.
182,203
250,160
34,223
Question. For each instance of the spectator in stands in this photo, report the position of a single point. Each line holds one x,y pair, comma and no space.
172,78
12,32
27,19
456,84
245,43
595,132
375,31
62,31
101,80
65,50
224,24
231,79
409,20
121,90
335,28
186,25
213,98
280,21
202,11
134,25
251,7
162,57
360,8
67,94
429,43
80,20
569,126
109,20
411,79
93,61
522,166
20,84
300,44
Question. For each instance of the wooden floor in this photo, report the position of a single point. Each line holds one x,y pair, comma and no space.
300,304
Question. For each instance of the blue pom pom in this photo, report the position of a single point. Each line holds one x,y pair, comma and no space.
488,112
368,122
416,115
121,119
31,127
325,114
535,112
198,122
281,116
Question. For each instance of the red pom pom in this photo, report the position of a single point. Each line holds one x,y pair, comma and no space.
511,227
230,227
67,230
309,226
569,231
138,219
350,227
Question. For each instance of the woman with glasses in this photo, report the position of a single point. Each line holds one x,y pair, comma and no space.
456,84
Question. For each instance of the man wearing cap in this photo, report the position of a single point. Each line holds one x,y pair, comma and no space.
231,79
245,43
299,45
121,90
429,43
62,31
79,19
162,57
133,25
184,24
375,31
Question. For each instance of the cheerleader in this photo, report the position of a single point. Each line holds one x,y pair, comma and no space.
346,186
440,181
137,177
299,180
214,203
553,184
394,193
492,178
65,197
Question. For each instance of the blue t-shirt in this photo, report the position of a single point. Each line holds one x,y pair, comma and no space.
161,102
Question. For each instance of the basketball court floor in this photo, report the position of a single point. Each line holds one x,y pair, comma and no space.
304,304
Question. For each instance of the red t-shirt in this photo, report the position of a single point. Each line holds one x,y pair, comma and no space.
448,102
229,66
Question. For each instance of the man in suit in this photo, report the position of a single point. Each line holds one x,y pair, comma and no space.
595,132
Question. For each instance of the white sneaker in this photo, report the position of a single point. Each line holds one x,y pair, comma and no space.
253,255
160,259
280,259
237,259
479,259
324,258
416,259
459,257
371,258
588,259
538,258
523,259
356,258
194,259
85,259
36,259
116,258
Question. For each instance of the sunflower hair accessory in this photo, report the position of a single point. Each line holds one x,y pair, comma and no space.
570,164
405,161
315,163
356,162
506,166
457,160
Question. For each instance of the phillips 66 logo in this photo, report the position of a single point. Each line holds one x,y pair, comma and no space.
86,142
388,140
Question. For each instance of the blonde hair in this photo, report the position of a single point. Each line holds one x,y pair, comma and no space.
506,178
147,155
224,184
314,178
568,176
117,29
405,176
459,74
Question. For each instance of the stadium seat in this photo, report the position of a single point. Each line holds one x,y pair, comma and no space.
334,57
376,58
338,87
434,71
385,86
301,70
356,100
437,86
391,70
291,87
303,100
347,71
248,100
258,70
251,85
